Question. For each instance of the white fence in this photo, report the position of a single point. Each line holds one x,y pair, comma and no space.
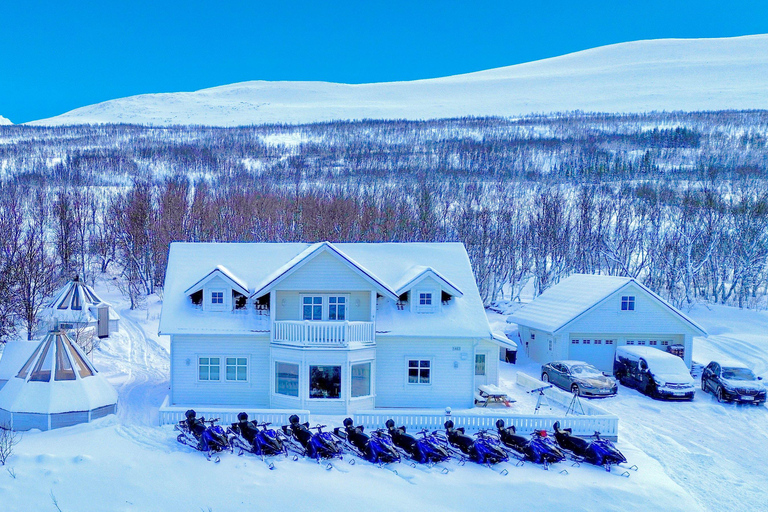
170,415
593,420
310,332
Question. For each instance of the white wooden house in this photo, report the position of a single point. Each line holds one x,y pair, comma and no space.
584,317
329,328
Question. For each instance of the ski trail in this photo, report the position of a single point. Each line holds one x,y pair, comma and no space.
147,369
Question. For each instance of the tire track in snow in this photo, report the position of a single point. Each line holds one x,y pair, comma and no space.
148,376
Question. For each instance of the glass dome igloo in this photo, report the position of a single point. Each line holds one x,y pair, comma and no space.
56,387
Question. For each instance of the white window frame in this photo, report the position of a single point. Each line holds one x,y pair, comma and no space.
629,300
485,364
298,380
419,360
337,296
308,386
209,357
325,306
432,307
370,379
217,306
237,365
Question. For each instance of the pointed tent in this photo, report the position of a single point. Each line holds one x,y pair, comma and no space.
56,387
76,305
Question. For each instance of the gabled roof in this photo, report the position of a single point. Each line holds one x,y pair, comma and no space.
221,271
575,296
384,263
418,273
308,255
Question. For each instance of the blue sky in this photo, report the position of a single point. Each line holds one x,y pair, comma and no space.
59,55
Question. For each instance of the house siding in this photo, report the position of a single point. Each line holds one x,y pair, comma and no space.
187,389
288,305
452,372
324,272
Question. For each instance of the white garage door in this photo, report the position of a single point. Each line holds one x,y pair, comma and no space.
597,351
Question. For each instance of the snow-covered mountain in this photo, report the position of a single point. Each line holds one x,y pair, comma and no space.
5,120
664,74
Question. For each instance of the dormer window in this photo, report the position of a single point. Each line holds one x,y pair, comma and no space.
217,300
425,301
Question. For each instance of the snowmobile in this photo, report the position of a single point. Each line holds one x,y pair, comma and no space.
426,450
598,451
256,438
539,449
483,449
376,448
319,445
209,439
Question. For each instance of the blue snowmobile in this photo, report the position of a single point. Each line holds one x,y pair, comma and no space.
598,451
203,435
426,450
256,438
539,448
318,445
376,448
483,449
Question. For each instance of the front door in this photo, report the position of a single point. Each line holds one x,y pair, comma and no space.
481,369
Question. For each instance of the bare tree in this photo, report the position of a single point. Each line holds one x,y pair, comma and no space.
36,279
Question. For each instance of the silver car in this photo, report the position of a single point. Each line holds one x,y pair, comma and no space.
580,378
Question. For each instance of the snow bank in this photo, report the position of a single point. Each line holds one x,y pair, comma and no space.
5,121
640,76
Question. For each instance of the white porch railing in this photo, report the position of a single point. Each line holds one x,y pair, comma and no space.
316,333
172,414
594,419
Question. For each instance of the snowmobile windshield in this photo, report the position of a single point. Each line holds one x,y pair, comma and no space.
585,370
738,374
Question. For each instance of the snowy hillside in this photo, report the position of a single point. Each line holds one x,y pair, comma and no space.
5,120
667,74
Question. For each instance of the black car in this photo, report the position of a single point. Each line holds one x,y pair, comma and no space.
732,382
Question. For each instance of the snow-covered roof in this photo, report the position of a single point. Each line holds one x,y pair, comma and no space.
56,378
307,255
574,296
73,303
15,354
419,272
503,340
382,264
222,271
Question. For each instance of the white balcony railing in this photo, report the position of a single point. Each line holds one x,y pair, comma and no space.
324,334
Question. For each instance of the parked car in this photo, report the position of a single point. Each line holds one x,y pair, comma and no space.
653,372
731,381
579,377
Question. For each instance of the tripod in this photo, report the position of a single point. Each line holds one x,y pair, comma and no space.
542,399
575,402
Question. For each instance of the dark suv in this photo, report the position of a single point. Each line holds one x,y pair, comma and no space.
732,382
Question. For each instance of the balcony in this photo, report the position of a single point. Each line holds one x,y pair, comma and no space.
311,333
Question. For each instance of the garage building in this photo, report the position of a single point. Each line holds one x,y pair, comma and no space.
585,317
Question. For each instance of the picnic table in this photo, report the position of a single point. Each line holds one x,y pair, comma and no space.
492,394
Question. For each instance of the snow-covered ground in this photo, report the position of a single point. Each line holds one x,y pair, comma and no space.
717,452
695,456
640,76
5,120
